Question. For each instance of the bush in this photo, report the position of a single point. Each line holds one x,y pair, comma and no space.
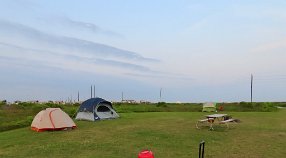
71,111
117,104
29,119
4,102
268,107
246,106
26,104
53,105
281,104
161,104
76,104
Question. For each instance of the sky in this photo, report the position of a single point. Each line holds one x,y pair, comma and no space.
194,51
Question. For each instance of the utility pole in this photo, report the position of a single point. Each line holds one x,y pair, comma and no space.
94,91
121,96
90,91
160,94
251,83
77,96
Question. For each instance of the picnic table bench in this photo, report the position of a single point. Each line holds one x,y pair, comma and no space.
226,122
213,119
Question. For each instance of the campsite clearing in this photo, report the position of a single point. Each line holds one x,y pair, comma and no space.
167,134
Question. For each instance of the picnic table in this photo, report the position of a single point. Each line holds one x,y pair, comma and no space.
213,119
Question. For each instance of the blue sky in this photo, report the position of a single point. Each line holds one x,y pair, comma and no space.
196,51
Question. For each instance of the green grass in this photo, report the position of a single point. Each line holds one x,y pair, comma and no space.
21,115
197,107
167,134
160,107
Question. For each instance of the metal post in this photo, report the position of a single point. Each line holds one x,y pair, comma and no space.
94,91
160,94
251,88
77,96
202,149
90,91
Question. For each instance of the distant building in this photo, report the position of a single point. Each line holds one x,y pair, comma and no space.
144,102
59,102
129,101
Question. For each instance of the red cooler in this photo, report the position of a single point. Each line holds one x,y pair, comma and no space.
146,154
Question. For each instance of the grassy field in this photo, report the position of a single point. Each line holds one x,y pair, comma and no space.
21,115
167,134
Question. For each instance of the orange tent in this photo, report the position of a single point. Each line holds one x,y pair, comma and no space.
52,119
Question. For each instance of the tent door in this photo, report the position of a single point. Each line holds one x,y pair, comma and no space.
105,112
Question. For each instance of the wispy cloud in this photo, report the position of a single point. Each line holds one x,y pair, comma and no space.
123,64
17,55
33,38
79,25
160,75
51,59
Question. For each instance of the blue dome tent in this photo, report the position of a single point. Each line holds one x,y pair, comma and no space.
96,109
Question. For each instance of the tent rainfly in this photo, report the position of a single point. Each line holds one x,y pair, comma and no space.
52,119
209,107
95,109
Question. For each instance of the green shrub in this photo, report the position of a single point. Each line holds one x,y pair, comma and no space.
161,104
26,104
71,111
117,104
269,106
76,104
53,105
29,119
281,104
246,106
2,103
